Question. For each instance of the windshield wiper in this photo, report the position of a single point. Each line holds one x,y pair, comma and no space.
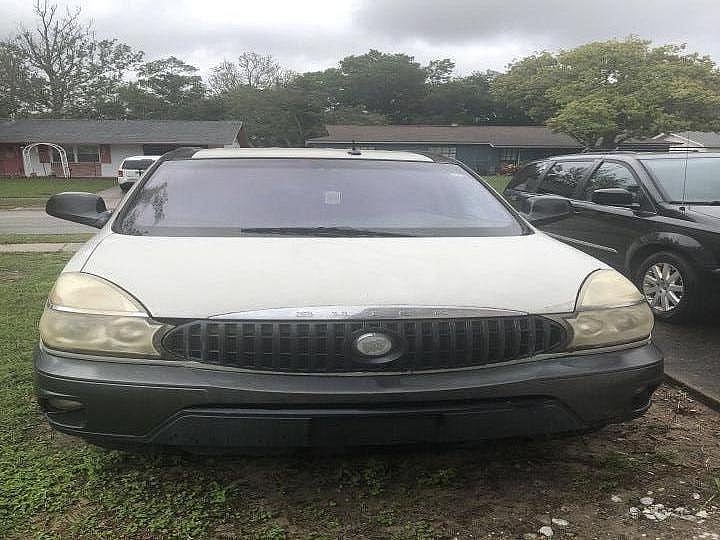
320,231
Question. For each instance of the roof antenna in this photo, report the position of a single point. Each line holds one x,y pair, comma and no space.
354,150
685,171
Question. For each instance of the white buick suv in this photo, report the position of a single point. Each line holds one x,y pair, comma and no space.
308,297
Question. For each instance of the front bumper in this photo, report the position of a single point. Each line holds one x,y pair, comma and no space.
130,402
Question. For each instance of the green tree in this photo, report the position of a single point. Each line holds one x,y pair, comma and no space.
604,92
166,88
439,71
390,84
18,87
354,115
467,100
71,71
525,85
277,116
325,90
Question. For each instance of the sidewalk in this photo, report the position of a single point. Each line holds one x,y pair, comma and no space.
692,357
68,247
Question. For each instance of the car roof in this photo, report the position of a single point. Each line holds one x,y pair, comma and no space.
310,153
635,155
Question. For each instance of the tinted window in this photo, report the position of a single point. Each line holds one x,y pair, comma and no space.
137,164
563,178
689,180
612,175
526,179
228,197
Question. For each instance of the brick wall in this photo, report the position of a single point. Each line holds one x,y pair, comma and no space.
78,169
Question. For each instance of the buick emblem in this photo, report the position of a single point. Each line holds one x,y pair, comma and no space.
373,344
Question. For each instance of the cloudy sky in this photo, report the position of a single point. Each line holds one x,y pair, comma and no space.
313,34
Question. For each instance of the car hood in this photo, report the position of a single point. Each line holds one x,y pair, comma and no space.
712,211
204,277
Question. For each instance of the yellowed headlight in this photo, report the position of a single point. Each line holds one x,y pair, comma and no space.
607,288
88,293
610,311
87,314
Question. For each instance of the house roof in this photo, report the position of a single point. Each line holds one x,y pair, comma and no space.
707,139
120,131
645,145
509,136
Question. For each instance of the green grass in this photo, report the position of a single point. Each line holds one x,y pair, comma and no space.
42,238
497,182
16,192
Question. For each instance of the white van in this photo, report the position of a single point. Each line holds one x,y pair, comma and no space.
132,168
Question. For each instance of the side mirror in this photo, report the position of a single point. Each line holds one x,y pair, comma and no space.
546,209
613,197
85,208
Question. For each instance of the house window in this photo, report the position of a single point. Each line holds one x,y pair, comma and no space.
445,151
87,153
69,151
78,153
510,155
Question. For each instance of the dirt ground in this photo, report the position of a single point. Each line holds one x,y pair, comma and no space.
656,477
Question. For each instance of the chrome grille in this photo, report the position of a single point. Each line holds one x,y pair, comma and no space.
314,346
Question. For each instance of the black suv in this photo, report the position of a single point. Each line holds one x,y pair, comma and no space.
655,217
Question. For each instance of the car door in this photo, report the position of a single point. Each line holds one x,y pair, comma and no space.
605,231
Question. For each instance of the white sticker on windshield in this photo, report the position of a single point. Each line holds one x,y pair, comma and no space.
333,197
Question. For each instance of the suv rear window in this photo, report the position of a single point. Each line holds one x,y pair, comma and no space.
137,164
563,178
691,180
308,197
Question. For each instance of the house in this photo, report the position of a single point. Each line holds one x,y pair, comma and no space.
32,147
487,149
682,141
696,141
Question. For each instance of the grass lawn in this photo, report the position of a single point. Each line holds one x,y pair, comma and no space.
42,238
53,486
15,192
497,182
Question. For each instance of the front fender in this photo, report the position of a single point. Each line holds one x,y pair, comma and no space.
680,243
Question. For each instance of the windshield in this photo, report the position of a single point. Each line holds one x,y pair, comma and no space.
691,180
137,164
229,197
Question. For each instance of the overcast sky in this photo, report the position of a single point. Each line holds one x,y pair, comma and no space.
314,34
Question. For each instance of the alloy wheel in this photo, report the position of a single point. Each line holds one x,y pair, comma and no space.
663,287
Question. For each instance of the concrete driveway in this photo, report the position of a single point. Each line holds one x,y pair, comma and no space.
692,354
36,221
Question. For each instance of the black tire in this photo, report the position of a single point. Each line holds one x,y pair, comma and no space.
125,187
689,305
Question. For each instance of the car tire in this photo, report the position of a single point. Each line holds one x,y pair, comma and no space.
670,285
125,187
